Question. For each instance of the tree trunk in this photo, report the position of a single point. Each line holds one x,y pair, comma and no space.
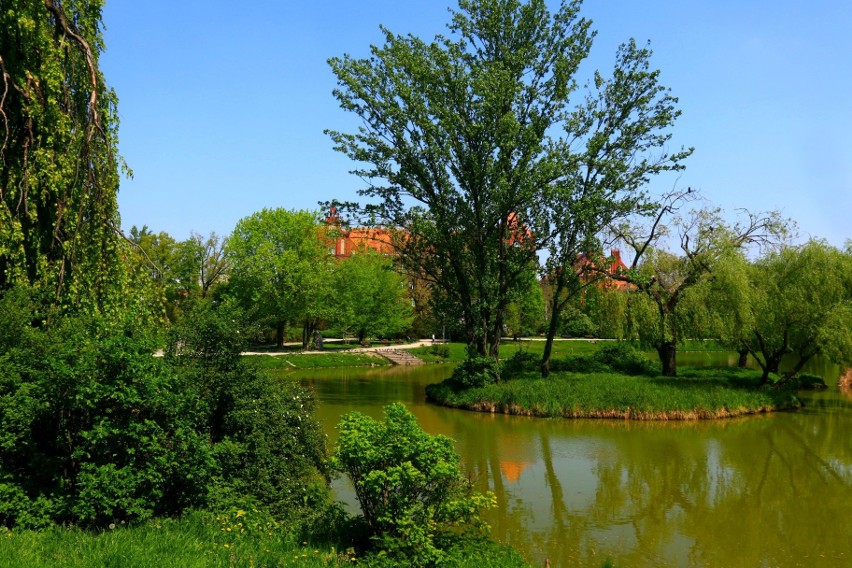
668,358
555,314
279,334
742,362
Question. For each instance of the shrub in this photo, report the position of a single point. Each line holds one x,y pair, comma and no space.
92,428
522,361
412,494
440,350
624,358
476,372
265,439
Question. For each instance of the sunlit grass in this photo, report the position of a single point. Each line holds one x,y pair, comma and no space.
694,394
203,540
316,360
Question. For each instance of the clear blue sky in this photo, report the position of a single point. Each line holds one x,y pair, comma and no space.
223,104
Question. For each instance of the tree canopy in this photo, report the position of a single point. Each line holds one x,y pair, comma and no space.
60,167
472,144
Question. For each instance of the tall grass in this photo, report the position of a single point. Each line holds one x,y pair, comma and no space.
205,540
694,394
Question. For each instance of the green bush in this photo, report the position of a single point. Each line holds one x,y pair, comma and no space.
440,350
522,361
93,430
624,358
265,439
412,494
476,372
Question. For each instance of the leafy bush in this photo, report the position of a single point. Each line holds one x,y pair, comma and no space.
522,361
265,439
440,350
92,428
476,372
624,358
412,494
808,382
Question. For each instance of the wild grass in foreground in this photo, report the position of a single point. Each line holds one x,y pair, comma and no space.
204,540
694,394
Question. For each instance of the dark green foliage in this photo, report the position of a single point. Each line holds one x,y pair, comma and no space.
476,372
268,446
624,358
409,485
440,350
808,381
521,360
92,428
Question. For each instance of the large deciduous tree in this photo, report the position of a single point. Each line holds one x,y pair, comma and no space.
58,136
800,304
665,278
617,143
370,297
460,143
281,268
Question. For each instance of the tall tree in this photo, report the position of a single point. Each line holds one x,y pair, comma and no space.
370,297
620,134
801,304
281,269
60,168
664,278
459,144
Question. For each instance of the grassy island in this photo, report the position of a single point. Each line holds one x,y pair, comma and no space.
695,394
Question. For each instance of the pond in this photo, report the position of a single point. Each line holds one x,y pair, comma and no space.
767,490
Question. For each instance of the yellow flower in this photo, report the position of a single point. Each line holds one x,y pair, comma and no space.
226,545
241,513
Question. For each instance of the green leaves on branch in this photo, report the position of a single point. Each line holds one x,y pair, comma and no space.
409,485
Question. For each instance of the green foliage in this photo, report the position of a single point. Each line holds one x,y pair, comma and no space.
521,360
624,358
441,350
265,439
370,297
281,269
59,167
92,428
409,485
461,142
476,371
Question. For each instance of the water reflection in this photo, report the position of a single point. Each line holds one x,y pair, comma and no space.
769,490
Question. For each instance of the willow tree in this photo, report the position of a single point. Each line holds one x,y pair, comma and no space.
460,141
60,170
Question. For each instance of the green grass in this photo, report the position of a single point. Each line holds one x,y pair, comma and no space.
201,540
316,360
508,348
694,394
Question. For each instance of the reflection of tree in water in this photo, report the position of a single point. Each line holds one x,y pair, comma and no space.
761,490
737,492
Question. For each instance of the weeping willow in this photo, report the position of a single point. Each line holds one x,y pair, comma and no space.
59,166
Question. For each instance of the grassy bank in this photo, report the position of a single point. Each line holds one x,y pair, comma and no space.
456,353
315,360
202,540
694,394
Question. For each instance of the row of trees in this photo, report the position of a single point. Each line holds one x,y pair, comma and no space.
277,265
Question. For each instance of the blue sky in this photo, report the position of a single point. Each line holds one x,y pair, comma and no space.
223,104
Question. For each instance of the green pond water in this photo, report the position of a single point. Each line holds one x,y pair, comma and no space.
767,490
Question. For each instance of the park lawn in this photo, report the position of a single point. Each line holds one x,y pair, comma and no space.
693,394
508,348
316,360
202,540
